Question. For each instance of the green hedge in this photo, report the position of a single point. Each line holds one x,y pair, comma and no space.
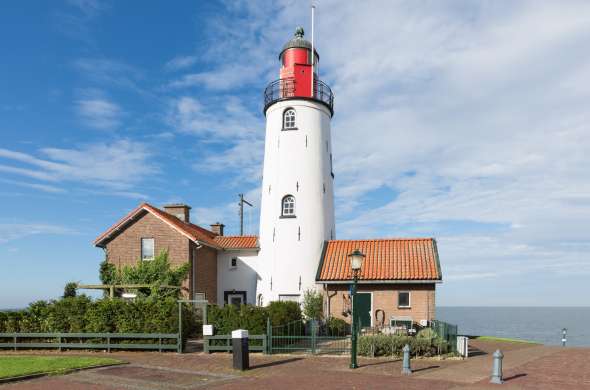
253,318
82,314
387,345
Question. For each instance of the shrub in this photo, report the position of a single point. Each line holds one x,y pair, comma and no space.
313,303
253,318
386,345
81,314
283,313
336,326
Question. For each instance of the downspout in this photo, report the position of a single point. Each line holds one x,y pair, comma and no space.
194,269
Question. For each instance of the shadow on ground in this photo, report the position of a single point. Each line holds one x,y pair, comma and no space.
275,363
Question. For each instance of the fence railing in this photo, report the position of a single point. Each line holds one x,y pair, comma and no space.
223,343
286,88
107,341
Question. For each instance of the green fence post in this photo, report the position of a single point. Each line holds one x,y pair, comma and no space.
179,339
59,342
268,337
15,341
206,344
108,343
314,339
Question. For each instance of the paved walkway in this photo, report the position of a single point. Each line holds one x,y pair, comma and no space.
526,367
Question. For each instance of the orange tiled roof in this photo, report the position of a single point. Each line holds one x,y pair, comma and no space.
237,242
190,230
386,259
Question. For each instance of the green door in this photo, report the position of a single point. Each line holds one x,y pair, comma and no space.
363,309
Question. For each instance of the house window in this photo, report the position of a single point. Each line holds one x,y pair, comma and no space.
289,119
403,299
235,299
147,249
233,263
288,206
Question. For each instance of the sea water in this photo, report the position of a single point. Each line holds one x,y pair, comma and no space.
541,324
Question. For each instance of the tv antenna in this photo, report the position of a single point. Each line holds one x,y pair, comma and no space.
242,201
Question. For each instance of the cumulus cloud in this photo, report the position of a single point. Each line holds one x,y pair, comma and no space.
473,115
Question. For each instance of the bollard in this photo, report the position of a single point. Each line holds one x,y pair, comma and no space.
497,368
406,369
563,337
240,349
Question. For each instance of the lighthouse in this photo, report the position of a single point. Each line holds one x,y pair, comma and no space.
297,202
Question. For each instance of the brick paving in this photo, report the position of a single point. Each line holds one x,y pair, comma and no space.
526,366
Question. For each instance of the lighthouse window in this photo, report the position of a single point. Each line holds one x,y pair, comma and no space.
288,206
289,119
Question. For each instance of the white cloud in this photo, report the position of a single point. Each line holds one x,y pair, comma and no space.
116,166
15,231
180,62
473,114
100,113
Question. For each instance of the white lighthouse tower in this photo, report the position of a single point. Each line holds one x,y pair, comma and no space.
297,204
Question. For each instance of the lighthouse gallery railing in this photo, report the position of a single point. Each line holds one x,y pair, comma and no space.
285,89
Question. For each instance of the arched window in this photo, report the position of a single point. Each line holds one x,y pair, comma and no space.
288,206
289,119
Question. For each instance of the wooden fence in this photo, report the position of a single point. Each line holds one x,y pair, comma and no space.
108,341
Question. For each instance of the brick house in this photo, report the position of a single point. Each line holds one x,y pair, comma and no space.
146,231
396,283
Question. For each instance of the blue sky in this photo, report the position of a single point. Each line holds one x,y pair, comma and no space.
466,121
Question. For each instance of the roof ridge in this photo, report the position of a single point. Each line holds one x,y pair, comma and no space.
386,239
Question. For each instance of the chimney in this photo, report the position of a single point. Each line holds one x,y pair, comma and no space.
217,228
179,210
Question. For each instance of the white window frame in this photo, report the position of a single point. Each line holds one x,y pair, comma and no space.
144,258
289,120
231,266
409,300
283,202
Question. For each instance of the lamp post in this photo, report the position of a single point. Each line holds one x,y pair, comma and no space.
356,261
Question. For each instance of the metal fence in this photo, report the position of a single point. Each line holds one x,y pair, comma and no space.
223,343
107,341
310,337
447,332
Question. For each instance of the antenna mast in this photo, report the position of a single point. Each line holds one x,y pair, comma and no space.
312,51
242,201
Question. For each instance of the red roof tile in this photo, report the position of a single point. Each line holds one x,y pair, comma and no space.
237,242
190,230
386,259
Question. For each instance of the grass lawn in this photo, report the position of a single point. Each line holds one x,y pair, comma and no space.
504,339
13,366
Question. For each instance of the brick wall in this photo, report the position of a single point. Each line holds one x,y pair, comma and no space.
422,299
205,272
125,248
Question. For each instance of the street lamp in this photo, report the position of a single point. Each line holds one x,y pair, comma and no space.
356,261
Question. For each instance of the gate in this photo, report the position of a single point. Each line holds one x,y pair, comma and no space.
311,337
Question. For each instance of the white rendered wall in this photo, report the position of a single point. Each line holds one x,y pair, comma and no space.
242,278
296,162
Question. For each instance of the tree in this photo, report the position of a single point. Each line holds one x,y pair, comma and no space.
70,290
313,304
156,273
